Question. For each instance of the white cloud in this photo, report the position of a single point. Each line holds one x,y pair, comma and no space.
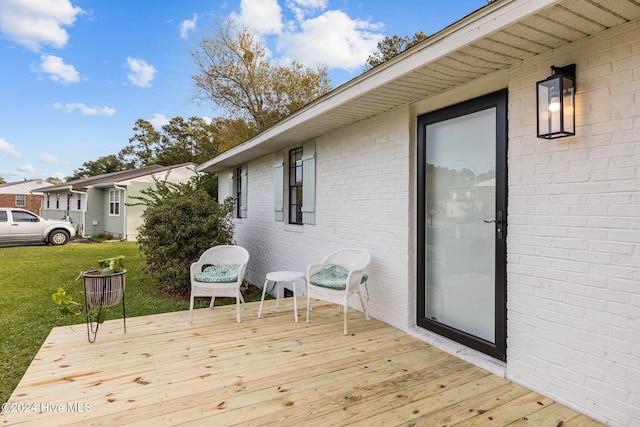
26,168
262,16
85,110
36,23
8,149
333,39
58,71
314,35
48,159
301,8
311,4
188,26
159,120
140,73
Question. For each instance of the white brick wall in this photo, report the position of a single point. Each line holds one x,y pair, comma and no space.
362,178
574,233
573,238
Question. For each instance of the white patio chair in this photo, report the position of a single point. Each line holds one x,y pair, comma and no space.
336,278
219,273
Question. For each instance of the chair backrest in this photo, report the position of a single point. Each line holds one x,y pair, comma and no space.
351,259
225,255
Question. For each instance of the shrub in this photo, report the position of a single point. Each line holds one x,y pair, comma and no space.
180,222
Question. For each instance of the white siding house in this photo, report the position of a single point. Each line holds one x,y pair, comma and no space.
106,203
550,298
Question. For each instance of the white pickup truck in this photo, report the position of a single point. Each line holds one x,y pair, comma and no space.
20,225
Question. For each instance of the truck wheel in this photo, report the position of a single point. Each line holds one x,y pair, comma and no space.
58,237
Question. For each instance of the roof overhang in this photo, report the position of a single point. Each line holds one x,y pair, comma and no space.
489,40
54,189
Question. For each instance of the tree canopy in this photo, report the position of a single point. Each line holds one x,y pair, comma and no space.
235,74
392,46
104,164
180,141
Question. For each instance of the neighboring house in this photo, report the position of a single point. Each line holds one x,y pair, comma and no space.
541,284
21,194
99,204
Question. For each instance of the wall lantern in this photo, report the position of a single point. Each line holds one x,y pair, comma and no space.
556,103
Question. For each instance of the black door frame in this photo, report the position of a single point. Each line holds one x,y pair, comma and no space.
496,100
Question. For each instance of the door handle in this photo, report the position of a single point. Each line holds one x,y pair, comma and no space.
498,221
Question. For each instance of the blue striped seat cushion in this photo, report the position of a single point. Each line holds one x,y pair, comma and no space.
333,277
218,274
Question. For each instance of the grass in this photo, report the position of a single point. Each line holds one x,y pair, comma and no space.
28,277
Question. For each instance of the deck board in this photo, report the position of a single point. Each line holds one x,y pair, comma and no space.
267,371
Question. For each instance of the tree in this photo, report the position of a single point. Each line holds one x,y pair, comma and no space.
179,223
235,74
392,46
140,151
54,180
104,164
230,132
2,181
191,141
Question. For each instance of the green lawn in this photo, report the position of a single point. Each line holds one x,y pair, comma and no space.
28,277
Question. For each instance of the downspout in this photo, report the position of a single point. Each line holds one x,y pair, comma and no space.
124,209
84,210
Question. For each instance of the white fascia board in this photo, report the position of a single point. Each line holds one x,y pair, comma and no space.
110,184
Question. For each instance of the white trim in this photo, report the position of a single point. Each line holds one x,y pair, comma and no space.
461,351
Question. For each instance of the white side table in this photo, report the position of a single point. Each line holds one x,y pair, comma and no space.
279,277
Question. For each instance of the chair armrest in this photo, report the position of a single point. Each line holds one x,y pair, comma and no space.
354,278
241,271
313,269
195,268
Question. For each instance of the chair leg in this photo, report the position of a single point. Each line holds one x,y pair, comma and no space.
264,291
364,307
238,306
345,319
191,309
308,305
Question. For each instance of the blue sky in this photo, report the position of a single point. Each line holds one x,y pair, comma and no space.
75,75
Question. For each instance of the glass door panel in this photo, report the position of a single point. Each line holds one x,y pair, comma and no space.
460,245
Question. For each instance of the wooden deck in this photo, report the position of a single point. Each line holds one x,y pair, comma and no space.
268,372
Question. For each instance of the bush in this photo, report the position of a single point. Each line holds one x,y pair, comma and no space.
180,222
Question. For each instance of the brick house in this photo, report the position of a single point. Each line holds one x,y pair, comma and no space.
21,194
538,278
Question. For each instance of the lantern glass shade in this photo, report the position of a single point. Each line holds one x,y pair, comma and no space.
556,104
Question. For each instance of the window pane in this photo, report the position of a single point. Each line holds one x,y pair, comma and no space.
19,216
299,173
295,186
